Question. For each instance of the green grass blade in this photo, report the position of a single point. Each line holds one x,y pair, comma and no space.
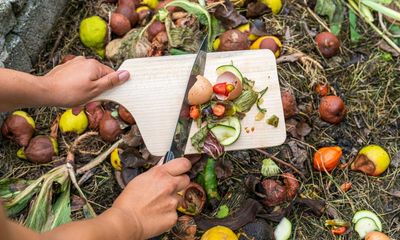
382,9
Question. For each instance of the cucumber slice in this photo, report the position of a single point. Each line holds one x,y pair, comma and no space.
232,69
283,230
227,131
364,226
365,213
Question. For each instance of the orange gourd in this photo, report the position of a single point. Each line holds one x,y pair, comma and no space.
327,158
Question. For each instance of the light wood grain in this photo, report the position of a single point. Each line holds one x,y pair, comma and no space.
155,92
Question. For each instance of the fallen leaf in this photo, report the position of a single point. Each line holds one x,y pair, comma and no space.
229,17
395,162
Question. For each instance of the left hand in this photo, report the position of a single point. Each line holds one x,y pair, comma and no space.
79,80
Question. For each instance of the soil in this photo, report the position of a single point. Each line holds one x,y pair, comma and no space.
362,75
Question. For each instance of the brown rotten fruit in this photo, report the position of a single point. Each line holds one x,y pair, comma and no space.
41,149
119,24
155,28
192,199
129,13
276,193
328,44
185,228
332,109
109,127
94,112
289,104
125,115
18,126
233,40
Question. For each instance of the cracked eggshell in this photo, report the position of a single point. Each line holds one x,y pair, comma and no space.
201,92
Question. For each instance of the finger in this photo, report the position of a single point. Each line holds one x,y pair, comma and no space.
182,182
103,70
177,166
112,79
75,59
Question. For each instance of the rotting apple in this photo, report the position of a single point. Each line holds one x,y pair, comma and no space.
119,24
332,109
18,126
232,40
125,115
185,228
41,149
192,199
289,104
268,42
372,160
109,127
328,44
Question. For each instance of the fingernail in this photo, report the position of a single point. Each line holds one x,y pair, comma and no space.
123,75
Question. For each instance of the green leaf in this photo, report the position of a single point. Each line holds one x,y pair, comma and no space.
16,204
223,211
199,11
334,10
61,210
10,187
40,210
217,28
354,35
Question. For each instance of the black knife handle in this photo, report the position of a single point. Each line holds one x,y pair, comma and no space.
169,156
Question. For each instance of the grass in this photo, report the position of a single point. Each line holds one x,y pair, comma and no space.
370,89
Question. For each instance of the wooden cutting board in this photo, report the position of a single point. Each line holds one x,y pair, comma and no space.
155,92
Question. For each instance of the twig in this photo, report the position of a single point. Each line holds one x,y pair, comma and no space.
99,159
73,180
280,161
57,43
318,19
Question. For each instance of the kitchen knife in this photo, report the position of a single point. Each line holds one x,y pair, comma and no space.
182,128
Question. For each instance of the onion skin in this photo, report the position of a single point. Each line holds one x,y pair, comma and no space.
376,236
109,128
328,44
17,128
332,109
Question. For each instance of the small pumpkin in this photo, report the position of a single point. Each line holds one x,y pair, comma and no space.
327,158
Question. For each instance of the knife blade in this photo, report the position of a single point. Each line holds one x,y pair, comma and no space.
183,125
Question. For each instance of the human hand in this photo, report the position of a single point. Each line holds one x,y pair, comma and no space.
79,80
151,198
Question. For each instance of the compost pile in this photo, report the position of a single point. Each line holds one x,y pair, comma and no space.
336,175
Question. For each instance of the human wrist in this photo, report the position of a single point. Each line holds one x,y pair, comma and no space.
127,225
47,86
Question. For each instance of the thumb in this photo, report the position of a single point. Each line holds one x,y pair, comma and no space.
113,79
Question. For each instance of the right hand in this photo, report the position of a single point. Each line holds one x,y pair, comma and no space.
151,198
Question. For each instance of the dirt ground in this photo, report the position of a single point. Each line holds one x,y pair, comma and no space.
361,74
